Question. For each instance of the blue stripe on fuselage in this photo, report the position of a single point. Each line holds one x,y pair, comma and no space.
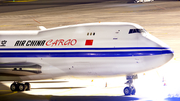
85,54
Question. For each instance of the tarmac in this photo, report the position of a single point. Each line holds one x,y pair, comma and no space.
159,18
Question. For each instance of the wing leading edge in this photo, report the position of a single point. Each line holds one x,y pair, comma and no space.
19,69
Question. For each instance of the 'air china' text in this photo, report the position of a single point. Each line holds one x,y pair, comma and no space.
51,42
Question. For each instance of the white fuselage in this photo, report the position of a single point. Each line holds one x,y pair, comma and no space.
95,49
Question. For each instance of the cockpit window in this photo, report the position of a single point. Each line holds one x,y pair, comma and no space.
136,31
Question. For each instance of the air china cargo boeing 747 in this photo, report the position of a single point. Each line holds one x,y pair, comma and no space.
93,49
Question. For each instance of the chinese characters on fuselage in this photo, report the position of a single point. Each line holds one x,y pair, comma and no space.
3,43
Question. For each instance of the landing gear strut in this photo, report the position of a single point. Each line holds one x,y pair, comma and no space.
20,86
130,90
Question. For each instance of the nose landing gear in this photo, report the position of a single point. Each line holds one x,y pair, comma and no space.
130,90
20,86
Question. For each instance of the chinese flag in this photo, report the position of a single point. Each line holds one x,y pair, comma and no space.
89,42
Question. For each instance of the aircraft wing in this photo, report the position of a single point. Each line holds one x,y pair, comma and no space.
19,69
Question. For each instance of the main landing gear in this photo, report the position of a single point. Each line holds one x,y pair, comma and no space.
130,90
20,86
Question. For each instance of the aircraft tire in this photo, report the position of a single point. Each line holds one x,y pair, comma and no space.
133,91
127,91
21,87
27,86
14,87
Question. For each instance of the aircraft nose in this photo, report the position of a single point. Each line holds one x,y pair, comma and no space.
168,50
169,53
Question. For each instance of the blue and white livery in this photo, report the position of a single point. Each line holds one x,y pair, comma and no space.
83,50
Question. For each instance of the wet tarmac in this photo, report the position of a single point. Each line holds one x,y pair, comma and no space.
88,92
